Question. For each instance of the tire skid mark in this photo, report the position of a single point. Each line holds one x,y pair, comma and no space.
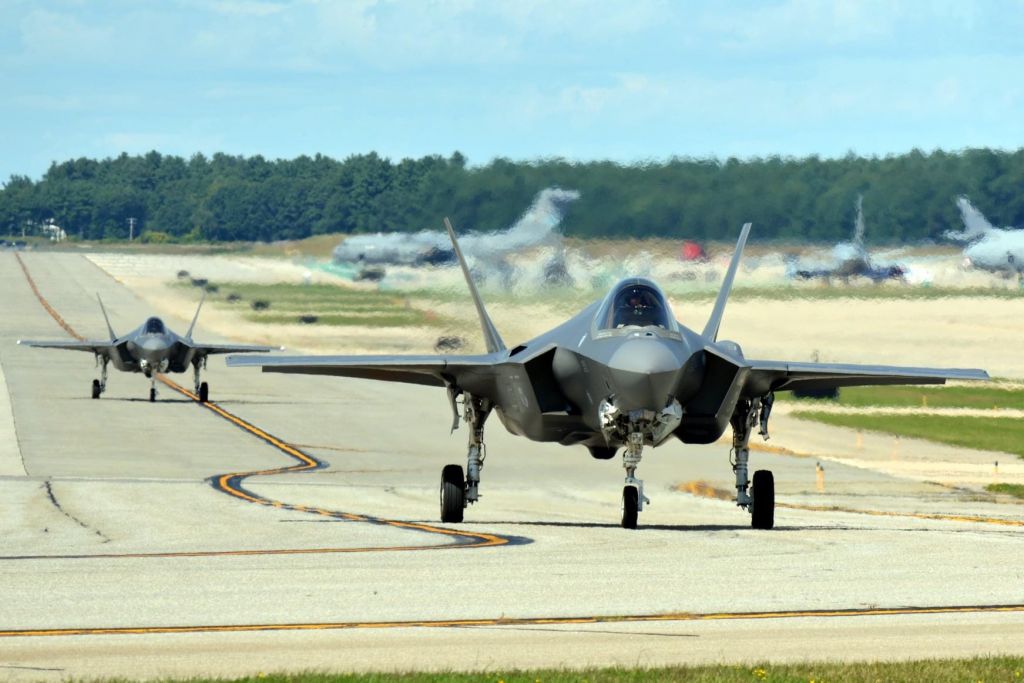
232,485
48,487
522,621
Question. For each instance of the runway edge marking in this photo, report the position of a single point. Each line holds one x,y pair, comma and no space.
231,484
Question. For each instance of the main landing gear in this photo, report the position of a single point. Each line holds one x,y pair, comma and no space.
100,385
202,388
458,491
759,500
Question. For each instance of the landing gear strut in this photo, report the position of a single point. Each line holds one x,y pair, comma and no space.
760,499
202,388
100,385
457,491
633,497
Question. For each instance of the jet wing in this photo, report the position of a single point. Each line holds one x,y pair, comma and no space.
90,345
764,376
211,349
428,370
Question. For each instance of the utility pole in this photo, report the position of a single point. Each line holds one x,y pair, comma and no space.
131,229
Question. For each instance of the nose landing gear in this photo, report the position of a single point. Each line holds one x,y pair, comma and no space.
633,497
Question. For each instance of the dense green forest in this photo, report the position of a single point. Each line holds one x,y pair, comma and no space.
907,198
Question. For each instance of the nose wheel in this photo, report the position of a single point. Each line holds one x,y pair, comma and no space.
633,498
96,388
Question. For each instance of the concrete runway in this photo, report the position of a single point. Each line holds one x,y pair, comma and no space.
125,553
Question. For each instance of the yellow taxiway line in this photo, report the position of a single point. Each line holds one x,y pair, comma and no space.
231,484
524,621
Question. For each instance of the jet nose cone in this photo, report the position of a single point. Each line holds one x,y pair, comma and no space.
152,349
644,374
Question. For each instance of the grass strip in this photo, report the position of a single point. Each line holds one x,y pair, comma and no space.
1009,669
984,396
1002,434
382,319
1015,490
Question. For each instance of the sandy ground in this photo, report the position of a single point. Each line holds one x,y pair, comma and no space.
963,332
109,483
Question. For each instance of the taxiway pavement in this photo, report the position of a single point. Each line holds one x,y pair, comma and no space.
120,556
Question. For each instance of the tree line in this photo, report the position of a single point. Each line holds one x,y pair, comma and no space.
907,198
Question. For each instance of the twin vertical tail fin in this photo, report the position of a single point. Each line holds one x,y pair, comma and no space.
715,321
110,329
491,337
188,335
858,226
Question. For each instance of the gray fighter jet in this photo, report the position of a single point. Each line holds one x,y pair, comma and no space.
623,373
998,250
851,259
150,349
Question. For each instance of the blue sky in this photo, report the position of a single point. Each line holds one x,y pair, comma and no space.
628,81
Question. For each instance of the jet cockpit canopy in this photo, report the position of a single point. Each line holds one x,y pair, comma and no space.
154,326
636,302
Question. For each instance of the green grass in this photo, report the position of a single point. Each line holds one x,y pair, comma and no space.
333,305
988,669
871,292
1015,490
412,318
974,396
1002,434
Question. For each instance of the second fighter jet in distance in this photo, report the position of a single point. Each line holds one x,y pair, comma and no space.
151,348
621,374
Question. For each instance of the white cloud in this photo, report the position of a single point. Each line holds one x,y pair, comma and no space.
252,8
50,35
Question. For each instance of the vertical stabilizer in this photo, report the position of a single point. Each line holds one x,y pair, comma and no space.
491,336
858,230
188,335
715,321
975,223
113,337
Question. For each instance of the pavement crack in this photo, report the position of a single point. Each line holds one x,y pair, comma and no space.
48,486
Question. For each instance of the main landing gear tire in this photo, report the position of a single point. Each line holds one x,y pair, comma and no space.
630,506
152,395
204,392
453,493
763,515
96,388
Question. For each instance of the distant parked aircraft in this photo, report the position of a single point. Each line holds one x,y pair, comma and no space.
431,248
851,259
999,250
